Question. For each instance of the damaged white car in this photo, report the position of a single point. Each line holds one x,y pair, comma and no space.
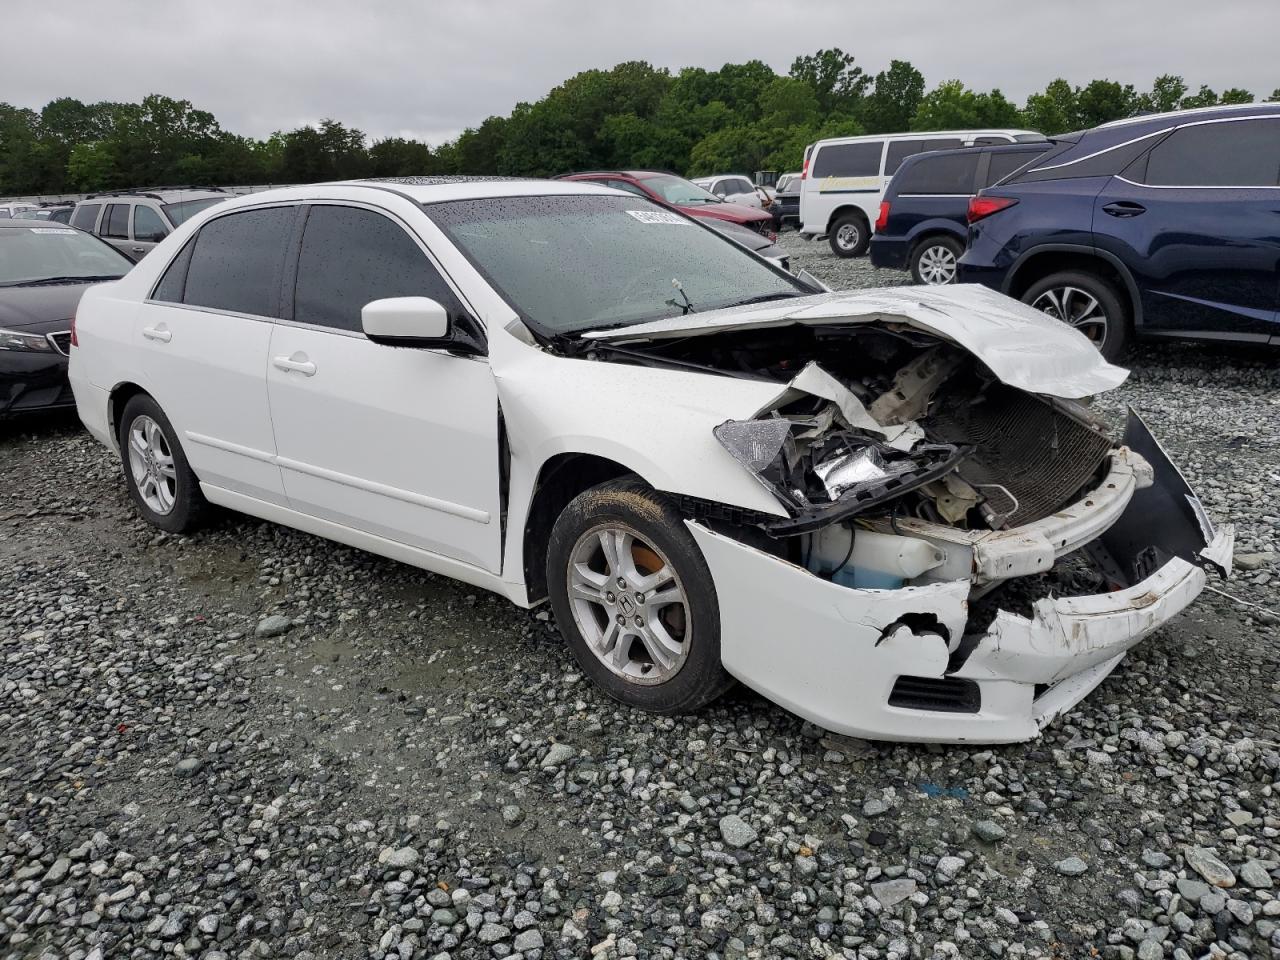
888,511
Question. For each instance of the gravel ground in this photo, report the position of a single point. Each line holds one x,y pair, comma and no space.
253,743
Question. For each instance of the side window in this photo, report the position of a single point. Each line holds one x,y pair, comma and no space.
952,174
1239,153
721,188
1004,163
627,186
174,282
352,256
116,223
237,260
742,186
899,150
990,141
147,225
849,159
85,215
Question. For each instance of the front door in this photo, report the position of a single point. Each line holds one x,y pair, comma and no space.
398,442
1197,220
205,334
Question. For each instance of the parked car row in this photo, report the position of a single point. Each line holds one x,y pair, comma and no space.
713,470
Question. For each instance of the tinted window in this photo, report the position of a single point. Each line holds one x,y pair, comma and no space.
85,215
1004,163
627,186
952,173
989,141
172,284
116,223
237,260
147,224
351,257
741,186
849,159
179,213
1241,153
899,150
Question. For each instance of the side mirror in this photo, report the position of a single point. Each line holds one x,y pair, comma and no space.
406,322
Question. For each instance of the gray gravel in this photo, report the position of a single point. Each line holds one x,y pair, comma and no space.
400,766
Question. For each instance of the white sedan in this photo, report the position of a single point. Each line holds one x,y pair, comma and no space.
853,503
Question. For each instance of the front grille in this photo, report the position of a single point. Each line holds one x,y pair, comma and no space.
939,694
61,342
1028,459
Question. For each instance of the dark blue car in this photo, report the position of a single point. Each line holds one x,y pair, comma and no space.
922,223
1162,225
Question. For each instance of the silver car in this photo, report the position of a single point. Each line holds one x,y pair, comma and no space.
135,221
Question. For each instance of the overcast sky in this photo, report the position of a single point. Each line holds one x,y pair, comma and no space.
429,69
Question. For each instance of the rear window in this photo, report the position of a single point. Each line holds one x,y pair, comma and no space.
949,174
116,223
899,150
849,159
178,213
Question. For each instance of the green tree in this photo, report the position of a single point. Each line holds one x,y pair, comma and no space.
398,157
1166,93
92,166
1053,111
837,82
953,106
1102,101
1235,95
328,152
893,102
1205,97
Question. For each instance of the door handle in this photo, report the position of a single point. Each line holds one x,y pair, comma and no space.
139,249
157,333
304,367
1124,208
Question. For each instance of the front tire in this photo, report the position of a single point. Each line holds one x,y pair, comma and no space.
160,481
849,235
1088,303
634,599
933,261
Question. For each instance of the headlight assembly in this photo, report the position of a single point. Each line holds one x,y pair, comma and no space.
19,342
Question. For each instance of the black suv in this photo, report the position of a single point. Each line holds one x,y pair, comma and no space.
922,223
1165,225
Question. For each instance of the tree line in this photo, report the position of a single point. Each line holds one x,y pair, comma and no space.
742,117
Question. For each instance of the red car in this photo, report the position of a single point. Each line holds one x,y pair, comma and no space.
677,192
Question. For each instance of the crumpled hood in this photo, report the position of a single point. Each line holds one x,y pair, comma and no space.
1023,347
40,309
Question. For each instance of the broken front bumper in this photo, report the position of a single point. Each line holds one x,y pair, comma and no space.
900,664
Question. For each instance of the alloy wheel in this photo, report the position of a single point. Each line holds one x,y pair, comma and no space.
937,265
151,463
629,604
1077,307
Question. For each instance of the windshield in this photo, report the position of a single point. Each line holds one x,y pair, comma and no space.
573,263
679,191
181,211
32,254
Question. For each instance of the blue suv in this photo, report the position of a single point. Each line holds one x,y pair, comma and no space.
922,225
1164,225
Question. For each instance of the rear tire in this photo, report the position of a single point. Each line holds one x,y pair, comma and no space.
849,235
1087,302
160,481
933,261
634,599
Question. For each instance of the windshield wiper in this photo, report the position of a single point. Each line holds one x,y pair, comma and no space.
44,280
763,298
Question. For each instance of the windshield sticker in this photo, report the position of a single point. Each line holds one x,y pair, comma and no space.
657,216
62,230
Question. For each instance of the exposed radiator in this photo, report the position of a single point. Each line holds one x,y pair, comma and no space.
1028,459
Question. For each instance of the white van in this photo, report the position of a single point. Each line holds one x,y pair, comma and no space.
844,179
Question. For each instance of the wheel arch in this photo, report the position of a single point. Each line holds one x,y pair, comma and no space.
117,400
559,479
930,229
844,208
1040,262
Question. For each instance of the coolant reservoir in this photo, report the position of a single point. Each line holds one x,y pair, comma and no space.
878,560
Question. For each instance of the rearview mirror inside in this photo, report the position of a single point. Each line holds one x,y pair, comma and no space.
405,321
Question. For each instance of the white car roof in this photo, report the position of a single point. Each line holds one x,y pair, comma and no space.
430,189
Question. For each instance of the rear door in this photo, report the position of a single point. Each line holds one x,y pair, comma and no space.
398,442
1197,220
204,334
114,228
148,230
842,175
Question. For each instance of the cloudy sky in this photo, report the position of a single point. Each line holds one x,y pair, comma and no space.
429,68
